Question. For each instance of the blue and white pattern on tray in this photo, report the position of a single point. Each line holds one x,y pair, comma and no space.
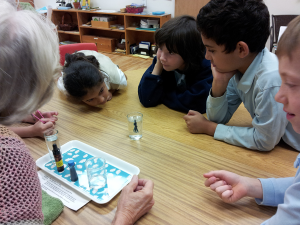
115,176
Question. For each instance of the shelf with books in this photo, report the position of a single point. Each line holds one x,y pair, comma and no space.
127,20
135,38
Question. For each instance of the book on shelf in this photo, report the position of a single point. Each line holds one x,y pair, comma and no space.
144,45
67,42
142,51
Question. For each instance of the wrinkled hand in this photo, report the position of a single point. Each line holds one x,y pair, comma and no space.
38,129
135,200
231,187
50,115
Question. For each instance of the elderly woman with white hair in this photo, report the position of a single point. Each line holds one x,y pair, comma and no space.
29,63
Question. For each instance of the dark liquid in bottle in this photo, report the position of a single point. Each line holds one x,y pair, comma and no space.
58,159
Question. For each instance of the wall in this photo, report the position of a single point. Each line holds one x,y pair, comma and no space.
278,7
152,5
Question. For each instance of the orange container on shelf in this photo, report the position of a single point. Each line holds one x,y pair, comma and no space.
103,24
103,43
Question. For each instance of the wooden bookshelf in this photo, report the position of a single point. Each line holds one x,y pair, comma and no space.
128,20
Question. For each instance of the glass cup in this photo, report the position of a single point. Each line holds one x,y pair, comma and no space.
51,138
96,172
135,125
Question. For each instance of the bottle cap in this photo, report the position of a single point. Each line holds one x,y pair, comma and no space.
55,149
71,162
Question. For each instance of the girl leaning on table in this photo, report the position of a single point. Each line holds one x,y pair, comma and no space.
281,192
91,77
179,77
30,67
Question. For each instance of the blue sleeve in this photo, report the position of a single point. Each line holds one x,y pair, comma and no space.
269,116
284,193
150,88
274,190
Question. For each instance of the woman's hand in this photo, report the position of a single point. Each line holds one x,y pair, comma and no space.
36,130
135,200
39,128
52,115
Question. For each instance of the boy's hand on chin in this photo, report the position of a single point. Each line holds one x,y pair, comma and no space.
220,81
222,76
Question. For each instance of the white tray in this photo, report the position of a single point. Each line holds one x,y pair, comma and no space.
119,172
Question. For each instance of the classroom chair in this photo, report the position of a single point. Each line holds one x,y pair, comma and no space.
71,48
277,22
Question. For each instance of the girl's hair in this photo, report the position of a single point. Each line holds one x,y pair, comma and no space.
29,61
181,36
81,73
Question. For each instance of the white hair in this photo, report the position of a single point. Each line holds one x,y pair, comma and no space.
29,62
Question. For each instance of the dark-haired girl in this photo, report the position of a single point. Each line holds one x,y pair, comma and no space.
179,77
91,77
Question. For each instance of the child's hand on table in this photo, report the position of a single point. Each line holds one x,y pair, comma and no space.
231,187
198,124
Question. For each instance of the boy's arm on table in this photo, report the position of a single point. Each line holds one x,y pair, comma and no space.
269,125
281,192
150,88
220,109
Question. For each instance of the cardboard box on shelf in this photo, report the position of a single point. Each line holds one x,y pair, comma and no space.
103,24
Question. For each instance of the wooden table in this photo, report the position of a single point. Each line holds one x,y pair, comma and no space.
167,154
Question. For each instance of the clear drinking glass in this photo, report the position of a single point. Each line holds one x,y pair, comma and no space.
96,172
51,137
135,125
